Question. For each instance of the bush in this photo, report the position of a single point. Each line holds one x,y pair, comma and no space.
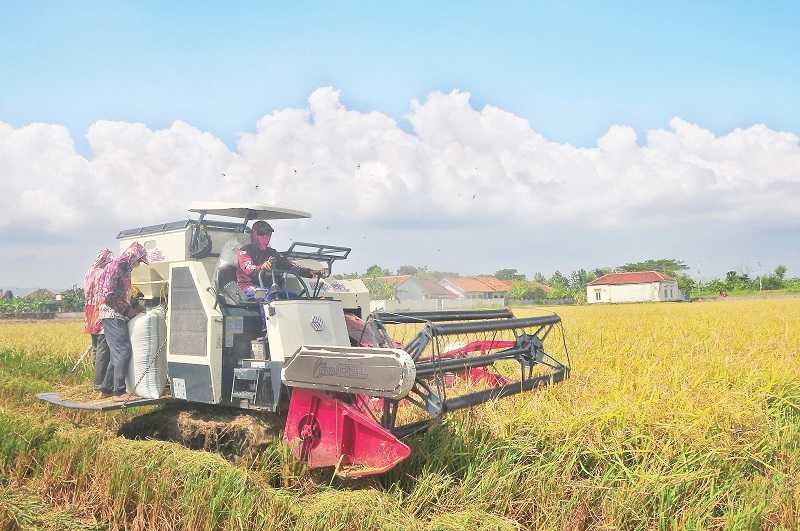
20,305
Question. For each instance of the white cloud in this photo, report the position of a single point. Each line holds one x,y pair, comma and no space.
362,165
458,163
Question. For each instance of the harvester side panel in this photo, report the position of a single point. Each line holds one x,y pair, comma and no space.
292,324
187,322
194,335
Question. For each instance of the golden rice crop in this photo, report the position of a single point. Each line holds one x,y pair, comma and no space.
676,416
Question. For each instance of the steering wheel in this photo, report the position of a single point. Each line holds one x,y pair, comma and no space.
304,293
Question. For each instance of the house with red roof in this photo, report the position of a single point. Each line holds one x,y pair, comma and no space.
410,288
476,287
634,286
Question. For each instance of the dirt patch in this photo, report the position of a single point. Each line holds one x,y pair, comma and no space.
236,435
28,316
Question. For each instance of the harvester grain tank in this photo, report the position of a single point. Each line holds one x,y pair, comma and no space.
351,385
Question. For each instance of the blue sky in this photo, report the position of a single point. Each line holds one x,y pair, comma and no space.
676,178
572,69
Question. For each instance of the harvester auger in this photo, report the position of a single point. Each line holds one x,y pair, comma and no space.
352,385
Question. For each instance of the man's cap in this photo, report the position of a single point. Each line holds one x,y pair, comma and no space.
262,227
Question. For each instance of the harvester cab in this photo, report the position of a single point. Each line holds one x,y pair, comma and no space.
352,385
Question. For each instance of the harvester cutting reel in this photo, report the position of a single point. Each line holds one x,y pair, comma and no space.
351,407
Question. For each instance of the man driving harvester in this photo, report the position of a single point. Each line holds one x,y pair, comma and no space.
259,256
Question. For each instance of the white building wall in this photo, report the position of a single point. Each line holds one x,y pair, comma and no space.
410,290
650,292
669,292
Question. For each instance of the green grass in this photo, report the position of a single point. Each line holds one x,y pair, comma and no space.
764,293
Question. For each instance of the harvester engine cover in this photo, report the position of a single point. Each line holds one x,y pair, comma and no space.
377,372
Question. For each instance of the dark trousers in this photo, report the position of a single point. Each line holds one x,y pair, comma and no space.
119,343
101,358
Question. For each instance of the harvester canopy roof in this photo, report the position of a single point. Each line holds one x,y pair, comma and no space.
247,211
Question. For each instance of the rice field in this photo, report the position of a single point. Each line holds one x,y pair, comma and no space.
677,416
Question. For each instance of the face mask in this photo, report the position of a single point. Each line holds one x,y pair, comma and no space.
262,241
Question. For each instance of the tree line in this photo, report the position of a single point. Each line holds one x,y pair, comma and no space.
537,288
71,300
573,285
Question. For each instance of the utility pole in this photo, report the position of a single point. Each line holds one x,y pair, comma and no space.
759,275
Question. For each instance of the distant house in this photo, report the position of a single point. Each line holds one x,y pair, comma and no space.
410,288
476,287
638,286
430,289
41,294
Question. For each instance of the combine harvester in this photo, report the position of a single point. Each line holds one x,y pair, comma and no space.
351,385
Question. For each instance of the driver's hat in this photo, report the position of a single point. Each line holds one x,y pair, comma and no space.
262,227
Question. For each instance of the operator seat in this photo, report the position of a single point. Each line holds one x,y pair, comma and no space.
225,275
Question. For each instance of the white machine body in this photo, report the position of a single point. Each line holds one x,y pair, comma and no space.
294,323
